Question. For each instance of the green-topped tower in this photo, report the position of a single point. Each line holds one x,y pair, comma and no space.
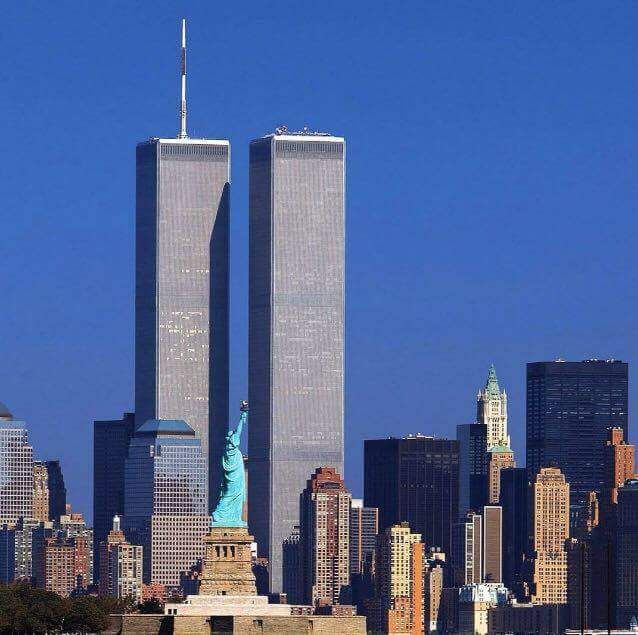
491,410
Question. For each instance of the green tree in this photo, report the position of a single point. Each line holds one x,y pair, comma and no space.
13,611
113,605
85,615
152,605
44,610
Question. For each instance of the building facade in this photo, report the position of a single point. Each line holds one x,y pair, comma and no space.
399,581
468,550
619,465
570,406
325,538
550,522
414,480
111,441
121,565
499,457
165,509
7,554
478,548
475,603
57,490
60,564
181,296
16,469
492,544
625,546
491,411
40,492
434,580
364,527
296,327
514,503
473,467
73,525
24,547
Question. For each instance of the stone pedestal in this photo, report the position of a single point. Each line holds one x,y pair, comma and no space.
227,567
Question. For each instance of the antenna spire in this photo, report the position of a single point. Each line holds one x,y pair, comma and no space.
182,108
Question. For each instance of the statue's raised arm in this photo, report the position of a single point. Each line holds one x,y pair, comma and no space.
232,495
242,420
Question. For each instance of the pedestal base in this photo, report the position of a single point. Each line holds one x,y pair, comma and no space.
228,605
227,567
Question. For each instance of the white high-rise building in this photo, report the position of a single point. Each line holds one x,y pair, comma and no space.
491,410
16,469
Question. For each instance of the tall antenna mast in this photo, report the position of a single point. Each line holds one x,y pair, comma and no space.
182,108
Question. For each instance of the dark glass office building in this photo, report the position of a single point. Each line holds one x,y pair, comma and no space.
626,555
110,445
57,490
414,480
514,502
7,554
473,494
570,406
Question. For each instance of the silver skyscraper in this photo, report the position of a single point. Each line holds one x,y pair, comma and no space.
181,298
296,316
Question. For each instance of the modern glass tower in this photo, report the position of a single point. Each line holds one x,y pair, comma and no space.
165,501
414,480
57,490
181,297
16,469
473,467
570,408
110,446
296,313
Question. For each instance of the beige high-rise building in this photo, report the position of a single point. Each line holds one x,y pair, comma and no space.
491,410
399,580
550,524
498,457
325,537
40,491
121,565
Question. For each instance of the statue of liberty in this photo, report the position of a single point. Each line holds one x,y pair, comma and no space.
232,495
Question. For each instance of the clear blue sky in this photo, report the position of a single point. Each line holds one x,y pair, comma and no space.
491,181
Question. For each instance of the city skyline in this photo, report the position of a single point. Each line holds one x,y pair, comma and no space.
98,227
406,226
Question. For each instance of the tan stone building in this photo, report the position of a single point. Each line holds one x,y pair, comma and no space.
61,564
498,457
325,538
399,579
550,524
121,565
40,492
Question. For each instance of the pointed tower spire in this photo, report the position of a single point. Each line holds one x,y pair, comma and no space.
492,386
182,109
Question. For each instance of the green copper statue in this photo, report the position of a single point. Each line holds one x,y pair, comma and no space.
231,498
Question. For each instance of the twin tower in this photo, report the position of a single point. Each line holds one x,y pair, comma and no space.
296,310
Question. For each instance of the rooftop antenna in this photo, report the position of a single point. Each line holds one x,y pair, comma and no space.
182,108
